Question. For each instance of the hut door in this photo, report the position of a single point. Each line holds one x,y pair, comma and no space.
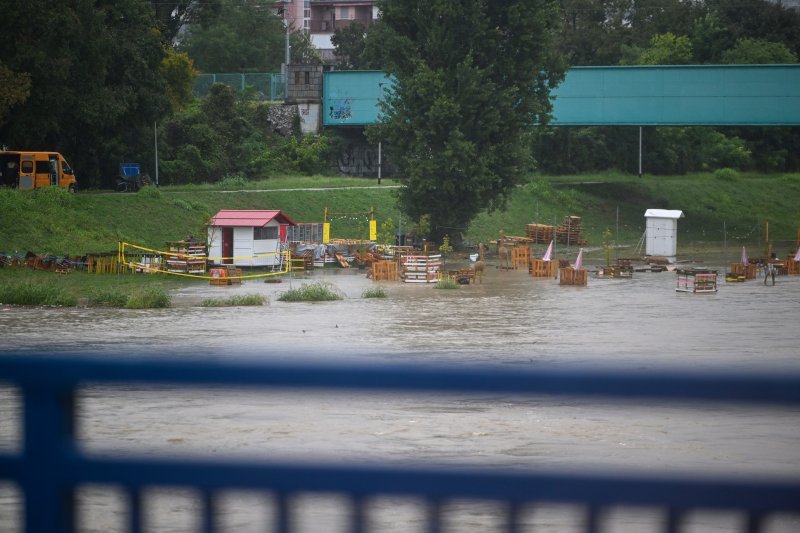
283,232
227,246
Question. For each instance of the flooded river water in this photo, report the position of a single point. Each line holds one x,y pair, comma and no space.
510,319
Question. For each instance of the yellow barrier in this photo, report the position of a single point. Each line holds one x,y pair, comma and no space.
123,260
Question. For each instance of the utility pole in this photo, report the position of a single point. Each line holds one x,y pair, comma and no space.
155,135
640,151
288,30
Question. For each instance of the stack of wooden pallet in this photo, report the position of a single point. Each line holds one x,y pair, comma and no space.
569,232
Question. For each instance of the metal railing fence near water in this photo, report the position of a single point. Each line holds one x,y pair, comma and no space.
51,467
265,86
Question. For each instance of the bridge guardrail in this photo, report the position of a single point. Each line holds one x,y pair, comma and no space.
51,466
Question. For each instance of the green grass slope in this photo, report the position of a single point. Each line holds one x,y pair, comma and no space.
55,222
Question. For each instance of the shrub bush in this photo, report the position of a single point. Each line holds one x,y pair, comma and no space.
235,301
447,282
726,174
321,291
28,293
374,292
149,298
107,298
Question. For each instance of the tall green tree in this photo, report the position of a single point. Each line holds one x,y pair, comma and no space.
242,36
757,51
472,78
96,87
666,49
349,44
15,88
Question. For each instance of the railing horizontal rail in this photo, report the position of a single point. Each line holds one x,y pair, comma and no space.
51,464
435,482
660,384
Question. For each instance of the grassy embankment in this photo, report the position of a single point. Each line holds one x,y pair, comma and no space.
48,222
53,222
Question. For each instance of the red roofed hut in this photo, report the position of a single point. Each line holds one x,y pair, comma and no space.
247,238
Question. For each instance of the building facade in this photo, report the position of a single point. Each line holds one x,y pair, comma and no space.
320,18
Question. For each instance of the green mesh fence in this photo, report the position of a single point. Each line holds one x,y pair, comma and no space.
265,86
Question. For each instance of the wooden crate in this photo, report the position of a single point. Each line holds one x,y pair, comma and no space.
420,268
792,266
570,276
384,270
520,257
540,268
748,270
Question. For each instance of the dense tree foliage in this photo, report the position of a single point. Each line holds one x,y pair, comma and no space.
245,36
471,78
349,44
95,82
228,136
628,32
14,89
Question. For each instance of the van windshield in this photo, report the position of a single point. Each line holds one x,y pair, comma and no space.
65,166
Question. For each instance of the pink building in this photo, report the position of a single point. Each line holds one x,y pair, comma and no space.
320,18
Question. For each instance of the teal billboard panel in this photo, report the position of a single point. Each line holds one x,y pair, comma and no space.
719,95
350,98
684,95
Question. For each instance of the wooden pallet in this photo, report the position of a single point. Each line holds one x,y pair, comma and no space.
570,276
749,270
540,268
520,257
384,270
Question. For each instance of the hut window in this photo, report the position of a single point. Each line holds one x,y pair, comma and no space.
265,233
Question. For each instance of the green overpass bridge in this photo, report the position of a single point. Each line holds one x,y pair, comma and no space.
685,95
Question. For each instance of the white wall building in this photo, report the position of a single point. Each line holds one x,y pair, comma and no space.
661,234
247,238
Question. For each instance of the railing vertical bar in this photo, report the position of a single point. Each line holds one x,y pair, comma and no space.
434,516
135,510
592,520
358,515
281,513
512,518
672,521
207,504
49,429
753,522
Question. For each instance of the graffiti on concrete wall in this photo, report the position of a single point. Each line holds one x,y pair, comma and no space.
341,109
358,159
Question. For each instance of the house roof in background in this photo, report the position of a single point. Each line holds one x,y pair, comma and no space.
249,218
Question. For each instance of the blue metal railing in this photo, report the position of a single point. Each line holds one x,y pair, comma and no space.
51,466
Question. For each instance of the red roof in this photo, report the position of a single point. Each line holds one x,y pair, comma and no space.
251,218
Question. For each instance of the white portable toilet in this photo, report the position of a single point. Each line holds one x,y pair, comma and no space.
662,232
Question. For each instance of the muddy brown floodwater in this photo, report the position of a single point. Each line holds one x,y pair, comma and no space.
510,319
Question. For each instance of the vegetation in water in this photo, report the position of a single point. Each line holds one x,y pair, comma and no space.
235,301
149,298
374,292
321,291
107,297
446,282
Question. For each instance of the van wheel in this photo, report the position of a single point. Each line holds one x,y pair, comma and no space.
71,188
